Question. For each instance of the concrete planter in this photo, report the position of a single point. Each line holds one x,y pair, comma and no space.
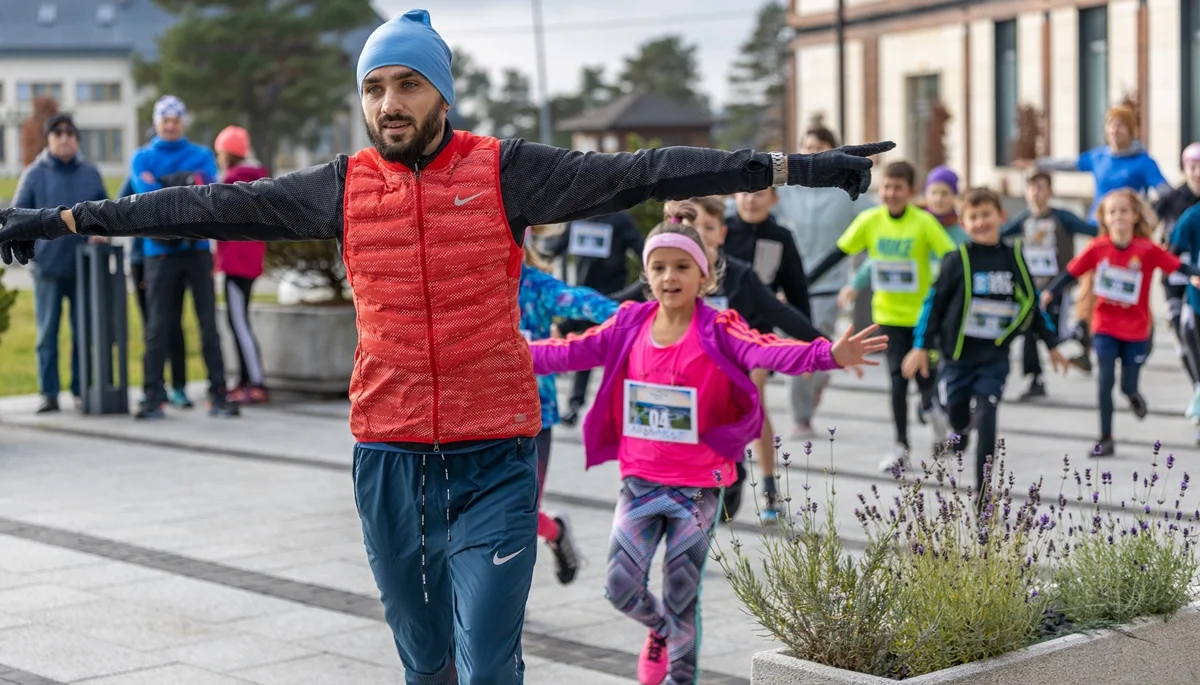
1145,651
306,349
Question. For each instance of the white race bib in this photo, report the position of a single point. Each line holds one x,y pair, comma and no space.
590,240
988,319
719,303
1118,284
1042,261
1178,277
893,277
664,413
768,255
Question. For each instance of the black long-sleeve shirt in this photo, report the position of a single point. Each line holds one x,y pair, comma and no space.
771,250
746,294
539,184
609,273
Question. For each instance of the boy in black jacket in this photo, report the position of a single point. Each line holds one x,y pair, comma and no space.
983,298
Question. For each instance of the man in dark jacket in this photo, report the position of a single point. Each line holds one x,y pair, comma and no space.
600,246
59,177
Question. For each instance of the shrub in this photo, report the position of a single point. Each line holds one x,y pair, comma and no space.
313,264
951,575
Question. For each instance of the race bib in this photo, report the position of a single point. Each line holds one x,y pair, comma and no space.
664,413
1178,277
893,277
1117,284
768,255
1041,261
590,240
719,303
988,319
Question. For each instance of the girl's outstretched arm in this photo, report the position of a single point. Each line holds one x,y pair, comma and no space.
753,350
576,352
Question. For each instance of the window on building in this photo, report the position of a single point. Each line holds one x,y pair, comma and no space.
1006,91
1093,75
101,144
105,14
47,14
97,92
923,93
1190,71
28,90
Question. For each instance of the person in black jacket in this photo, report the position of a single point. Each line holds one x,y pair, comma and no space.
738,288
1168,209
599,245
983,298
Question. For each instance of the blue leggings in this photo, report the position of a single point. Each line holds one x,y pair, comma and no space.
1132,356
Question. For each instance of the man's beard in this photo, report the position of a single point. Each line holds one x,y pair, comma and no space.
410,152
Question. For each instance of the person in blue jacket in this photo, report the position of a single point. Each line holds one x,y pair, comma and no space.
543,298
58,176
170,159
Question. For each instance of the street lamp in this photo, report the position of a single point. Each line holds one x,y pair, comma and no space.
540,47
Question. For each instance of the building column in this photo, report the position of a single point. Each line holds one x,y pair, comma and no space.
1047,81
1143,71
870,60
967,97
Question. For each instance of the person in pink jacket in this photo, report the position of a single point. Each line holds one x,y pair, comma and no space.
676,409
241,263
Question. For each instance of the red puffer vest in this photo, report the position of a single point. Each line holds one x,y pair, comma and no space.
435,273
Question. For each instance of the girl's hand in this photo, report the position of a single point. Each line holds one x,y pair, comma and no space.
1047,298
846,297
916,361
852,350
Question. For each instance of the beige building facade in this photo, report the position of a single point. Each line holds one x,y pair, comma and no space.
1069,59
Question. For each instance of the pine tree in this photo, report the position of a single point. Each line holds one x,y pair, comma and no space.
758,117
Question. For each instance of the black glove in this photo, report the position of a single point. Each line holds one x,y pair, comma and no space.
19,228
845,167
179,178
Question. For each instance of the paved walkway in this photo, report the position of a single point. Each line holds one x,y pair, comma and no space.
201,552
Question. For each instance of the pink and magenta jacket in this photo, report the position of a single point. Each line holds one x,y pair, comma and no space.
729,342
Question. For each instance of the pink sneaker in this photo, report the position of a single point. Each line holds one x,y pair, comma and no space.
652,665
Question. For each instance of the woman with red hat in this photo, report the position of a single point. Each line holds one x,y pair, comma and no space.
242,263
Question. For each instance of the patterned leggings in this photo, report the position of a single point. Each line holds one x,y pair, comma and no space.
685,516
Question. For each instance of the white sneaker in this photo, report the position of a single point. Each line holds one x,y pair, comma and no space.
940,421
899,456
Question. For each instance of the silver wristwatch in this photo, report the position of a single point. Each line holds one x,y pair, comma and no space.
780,167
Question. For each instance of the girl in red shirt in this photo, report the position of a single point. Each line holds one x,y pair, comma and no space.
1123,257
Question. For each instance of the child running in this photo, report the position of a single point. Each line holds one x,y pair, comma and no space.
901,240
676,408
542,298
1124,258
983,298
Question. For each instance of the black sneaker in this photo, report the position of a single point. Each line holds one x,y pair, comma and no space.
221,406
149,410
1036,391
1082,362
1104,448
1137,403
48,405
566,559
571,417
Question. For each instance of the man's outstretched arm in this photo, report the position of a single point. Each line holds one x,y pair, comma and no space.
542,184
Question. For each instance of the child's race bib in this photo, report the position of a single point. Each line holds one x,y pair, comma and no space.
660,412
1118,284
988,319
893,277
1178,277
1041,261
590,240
719,303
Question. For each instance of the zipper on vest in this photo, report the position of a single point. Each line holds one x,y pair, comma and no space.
428,303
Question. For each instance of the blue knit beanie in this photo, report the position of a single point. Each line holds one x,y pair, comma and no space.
409,41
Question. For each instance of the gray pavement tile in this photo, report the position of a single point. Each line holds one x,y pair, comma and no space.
23,556
303,623
198,599
374,645
235,652
325,669
543,672
11,621
129,625
176,674
334,574
35,598
66,656
103,574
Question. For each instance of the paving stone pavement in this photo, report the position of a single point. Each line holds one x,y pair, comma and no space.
198,551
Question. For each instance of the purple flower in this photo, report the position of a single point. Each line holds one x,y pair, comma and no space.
1110,539
832,431
1179,516
1157,446
1095,497
1135,478
1146,509
1033,594
777,442
717,475
808,448
787,459
1096,521
1170,460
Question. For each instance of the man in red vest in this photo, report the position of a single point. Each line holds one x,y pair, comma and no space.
444,403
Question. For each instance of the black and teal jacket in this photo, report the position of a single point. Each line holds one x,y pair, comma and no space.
974,280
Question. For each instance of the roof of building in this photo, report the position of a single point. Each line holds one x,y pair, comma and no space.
46,27
638,110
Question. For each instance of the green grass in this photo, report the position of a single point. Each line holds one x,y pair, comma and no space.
8,186
18,359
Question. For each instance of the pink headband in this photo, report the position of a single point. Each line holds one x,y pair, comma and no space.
679,241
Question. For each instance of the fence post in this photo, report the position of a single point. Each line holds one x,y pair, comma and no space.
102,323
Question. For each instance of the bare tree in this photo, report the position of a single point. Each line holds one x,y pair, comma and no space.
33,129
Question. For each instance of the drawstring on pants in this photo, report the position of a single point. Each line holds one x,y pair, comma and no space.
446,472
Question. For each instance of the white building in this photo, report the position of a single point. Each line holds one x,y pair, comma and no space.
1071,59
81,52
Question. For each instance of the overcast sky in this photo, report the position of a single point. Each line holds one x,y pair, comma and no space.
499,33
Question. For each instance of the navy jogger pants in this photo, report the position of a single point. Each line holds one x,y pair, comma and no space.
452,540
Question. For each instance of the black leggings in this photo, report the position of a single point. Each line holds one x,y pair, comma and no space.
986,417
237,307
176,350
1132,355
900,342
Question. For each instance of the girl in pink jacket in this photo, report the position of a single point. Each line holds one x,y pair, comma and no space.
242,264
676,409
